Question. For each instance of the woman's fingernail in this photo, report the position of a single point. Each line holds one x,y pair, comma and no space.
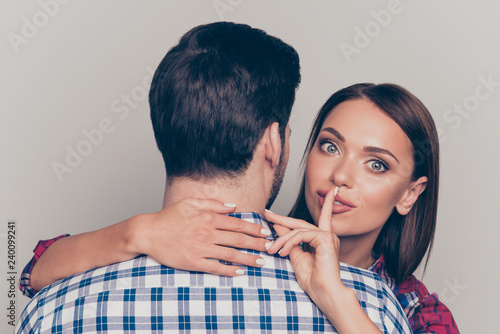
230,205
279,252
265,232
261,262
239,272
336,191
268,245
268,211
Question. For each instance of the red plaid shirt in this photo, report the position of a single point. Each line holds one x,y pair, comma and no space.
425,312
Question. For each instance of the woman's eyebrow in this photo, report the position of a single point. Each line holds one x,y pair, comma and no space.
335,133
379,150
372,149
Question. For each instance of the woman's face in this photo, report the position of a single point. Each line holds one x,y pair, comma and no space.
364,152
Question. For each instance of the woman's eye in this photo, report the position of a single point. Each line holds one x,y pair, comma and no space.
377,166
329,147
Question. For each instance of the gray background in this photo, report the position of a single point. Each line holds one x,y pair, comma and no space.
84,57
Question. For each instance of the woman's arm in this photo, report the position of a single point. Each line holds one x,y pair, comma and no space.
24,281
185,236
318,272
79,253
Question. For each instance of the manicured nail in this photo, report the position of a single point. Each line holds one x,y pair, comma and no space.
268,211
265,231
279,252
268,245
230,205
261,262
239,272
336,191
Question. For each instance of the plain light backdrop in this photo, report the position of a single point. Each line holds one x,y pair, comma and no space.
69,67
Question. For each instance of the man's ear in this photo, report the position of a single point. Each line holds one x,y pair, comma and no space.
272,144
411,195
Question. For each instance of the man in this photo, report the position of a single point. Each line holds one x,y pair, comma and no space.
220,103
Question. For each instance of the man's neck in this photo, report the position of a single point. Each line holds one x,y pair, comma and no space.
248,196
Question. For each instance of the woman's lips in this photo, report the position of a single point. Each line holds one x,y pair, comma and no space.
339,205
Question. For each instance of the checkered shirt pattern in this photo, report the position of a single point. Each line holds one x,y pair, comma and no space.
142,296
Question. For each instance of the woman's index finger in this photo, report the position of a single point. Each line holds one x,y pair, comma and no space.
325,217
289,222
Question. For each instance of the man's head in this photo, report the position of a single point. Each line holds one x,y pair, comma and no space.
215,93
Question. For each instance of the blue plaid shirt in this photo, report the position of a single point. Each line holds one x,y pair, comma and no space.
142,296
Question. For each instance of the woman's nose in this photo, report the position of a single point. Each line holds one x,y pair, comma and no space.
343,174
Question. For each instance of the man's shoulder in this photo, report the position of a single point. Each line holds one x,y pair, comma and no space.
142,286
367,284
145,272
360,275
142,282
371,289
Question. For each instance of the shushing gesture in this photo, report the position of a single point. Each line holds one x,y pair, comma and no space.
317,266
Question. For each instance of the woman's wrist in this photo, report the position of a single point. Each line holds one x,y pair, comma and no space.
135,235
332,299
345,313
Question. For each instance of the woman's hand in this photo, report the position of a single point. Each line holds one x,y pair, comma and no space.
189,233
185,236
317,268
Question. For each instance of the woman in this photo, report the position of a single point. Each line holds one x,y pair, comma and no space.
377,146
378,143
